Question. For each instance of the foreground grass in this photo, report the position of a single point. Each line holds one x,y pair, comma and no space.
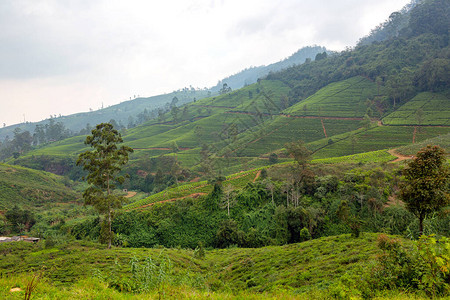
317,269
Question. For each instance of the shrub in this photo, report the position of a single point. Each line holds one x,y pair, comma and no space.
305,235
424,266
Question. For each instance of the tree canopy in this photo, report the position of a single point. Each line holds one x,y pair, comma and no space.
103,164
427,181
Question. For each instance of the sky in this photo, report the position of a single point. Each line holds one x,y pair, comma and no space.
62,57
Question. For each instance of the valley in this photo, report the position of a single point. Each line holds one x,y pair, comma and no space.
325,178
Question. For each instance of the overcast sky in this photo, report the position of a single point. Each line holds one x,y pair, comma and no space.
61,57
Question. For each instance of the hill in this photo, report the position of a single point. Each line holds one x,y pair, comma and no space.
31,188
252,74
320,267
426,108
130,112
125,114
342,104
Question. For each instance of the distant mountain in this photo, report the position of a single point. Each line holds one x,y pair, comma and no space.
126,113
251,75
141,109
368,98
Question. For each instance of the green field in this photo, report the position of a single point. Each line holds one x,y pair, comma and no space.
314,269
378,138
425,109
238,180
340,99
442,140
243,126
31,188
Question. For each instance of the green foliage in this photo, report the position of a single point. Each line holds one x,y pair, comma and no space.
426,185
304,234
103,165
435,109
227,234
423,266
348,218
20,220
31,188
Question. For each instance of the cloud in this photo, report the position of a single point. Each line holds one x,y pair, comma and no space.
111,49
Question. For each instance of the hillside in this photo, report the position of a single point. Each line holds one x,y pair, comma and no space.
124,113
343,104
252,74
319,267
426,108
127,112
31,188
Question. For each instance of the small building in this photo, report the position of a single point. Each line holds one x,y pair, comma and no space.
6,239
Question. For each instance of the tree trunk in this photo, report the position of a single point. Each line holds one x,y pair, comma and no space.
109,214
420,226
109,228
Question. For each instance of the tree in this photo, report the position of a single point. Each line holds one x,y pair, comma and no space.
19,219
299,152
345,215
103,164
427,181
225,89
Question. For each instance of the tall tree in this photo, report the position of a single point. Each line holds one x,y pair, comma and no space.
103,164
427,183
299,152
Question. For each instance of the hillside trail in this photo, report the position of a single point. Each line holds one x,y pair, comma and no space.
324,130
400,157
257,176
130,194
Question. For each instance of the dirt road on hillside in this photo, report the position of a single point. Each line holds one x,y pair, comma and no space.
399,156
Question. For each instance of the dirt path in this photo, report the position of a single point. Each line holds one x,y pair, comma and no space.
324,130
257,175
130,194
399,156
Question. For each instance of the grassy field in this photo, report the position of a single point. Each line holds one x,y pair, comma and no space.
424,109
238,180
443,141
378,138
31,188
321,268
244,126
340,99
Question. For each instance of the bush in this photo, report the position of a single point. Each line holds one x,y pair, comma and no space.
424,266
304,234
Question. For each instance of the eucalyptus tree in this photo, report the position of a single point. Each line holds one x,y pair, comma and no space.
103,164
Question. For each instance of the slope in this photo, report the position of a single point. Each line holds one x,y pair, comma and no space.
426,108
31,188
123,113
252,74
297,268
334,109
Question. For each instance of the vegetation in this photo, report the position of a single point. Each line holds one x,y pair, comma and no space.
427,184
224,200
104,163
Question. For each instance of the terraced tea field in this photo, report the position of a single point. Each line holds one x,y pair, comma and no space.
378,138
340,99
424,109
